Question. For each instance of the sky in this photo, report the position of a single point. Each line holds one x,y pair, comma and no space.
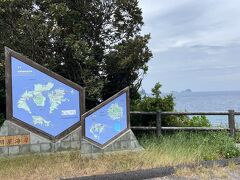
195,44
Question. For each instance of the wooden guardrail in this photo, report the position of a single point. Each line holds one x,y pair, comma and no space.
158,128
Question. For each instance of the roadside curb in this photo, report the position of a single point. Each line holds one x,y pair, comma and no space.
157,172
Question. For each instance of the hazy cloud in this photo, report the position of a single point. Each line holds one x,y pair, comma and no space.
196,44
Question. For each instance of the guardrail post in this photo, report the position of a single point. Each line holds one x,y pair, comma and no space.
158,123
231,122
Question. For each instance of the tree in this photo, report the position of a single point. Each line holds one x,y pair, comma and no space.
95,43
154,103
156,90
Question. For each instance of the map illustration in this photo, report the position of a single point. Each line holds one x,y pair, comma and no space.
42,101
108,121
97,129
115,112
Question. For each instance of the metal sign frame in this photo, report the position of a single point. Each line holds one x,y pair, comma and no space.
9,106
102,146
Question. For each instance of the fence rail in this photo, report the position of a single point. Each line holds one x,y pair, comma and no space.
158,128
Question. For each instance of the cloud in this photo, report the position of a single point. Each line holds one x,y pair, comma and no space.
190,22
192,39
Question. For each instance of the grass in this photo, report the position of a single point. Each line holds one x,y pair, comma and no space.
168,150
237,137
192,146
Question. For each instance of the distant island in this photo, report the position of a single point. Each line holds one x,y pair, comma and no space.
186,91
143,92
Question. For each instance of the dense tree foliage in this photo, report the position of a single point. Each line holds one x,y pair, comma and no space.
95,43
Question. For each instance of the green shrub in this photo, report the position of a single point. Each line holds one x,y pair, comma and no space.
155,103
185,121
199,121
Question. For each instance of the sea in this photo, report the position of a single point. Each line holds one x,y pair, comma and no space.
209,102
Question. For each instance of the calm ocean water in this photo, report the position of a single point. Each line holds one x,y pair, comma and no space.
209,101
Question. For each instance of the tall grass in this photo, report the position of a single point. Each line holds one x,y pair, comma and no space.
189,147
167,150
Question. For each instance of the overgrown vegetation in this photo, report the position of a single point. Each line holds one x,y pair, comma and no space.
166,151
163,103
199,146
237,137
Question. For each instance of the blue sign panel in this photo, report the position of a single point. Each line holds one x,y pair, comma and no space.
108,121
42,101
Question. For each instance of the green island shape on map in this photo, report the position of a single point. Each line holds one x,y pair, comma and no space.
56,97
115,111
37,96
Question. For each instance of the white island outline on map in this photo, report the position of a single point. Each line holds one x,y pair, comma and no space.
97,129
22,103
40,121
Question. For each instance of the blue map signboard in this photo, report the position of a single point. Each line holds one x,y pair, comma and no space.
108,121
42,101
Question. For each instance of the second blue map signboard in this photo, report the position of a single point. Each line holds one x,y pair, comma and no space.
42,101
108,121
